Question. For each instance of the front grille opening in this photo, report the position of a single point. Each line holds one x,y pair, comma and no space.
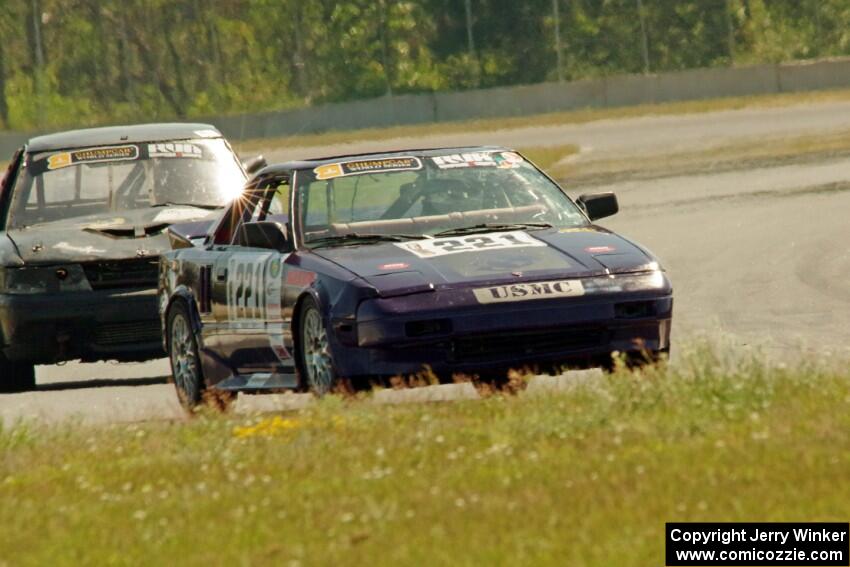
141,274
634,309
428,327
510,345
127,333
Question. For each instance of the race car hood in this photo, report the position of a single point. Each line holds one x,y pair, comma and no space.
109,236
567,253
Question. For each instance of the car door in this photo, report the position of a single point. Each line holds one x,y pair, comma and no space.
247,299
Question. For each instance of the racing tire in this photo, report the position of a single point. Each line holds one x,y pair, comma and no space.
183,354
16,376
315,360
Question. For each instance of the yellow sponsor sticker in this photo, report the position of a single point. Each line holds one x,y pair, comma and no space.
328,171
57,161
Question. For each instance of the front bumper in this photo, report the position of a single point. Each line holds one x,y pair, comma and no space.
576,333
118,325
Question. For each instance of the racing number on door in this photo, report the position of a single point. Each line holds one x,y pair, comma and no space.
254,297
249,283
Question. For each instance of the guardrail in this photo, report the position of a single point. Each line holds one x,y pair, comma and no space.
612,91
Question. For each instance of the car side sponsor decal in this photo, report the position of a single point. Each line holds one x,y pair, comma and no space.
254,296
431,248
92,155
300,278
529,291
274,317
504,160
332,170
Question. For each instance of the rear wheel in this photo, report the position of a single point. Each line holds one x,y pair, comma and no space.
16,376
183,353
314,352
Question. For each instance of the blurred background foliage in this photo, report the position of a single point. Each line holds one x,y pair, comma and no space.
83,62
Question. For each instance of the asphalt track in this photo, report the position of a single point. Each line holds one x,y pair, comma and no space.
759,255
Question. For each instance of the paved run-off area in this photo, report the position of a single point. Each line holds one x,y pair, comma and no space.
757,251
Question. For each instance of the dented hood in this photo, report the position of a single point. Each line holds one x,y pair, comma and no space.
107,236
548,254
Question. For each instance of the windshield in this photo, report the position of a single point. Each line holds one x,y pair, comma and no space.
66,184
409,196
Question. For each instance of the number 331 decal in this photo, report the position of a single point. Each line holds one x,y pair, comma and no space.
434,247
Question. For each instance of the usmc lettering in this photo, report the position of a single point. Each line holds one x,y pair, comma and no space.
529,291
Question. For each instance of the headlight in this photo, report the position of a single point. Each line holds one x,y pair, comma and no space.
616,283
43,279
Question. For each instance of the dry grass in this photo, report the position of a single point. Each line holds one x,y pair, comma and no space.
747,154
548,157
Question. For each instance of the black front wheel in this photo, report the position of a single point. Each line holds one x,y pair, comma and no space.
314,352
183,354
16,376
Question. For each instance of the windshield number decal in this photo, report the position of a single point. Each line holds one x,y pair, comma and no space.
502,160
473,243
175,150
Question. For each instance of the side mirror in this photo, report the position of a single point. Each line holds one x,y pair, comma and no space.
599,205
254,164
264,234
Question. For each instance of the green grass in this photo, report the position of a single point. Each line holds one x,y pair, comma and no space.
246,147
582,477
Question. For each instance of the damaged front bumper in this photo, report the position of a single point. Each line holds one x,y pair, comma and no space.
97,325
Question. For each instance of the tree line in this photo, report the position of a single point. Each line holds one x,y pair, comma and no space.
81,62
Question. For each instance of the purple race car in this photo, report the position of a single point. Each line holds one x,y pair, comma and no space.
464,260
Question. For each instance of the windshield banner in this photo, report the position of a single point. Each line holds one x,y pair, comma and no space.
128,152
332,170
92,155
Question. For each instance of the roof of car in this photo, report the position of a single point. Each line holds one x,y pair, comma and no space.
279,168
111,135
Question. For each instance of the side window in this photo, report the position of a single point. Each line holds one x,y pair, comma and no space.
318,212
235,214
280,203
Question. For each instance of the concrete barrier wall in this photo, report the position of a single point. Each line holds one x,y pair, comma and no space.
616,90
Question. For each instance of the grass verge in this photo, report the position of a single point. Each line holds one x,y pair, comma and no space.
733,156
550,119
580,477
